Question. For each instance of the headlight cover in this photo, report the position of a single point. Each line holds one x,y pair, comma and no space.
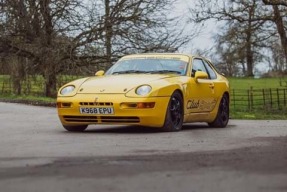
67,90
143,90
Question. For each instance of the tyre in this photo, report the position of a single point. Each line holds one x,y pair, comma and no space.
174,113
222,116
78,128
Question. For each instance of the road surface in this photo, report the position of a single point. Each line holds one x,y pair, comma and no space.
37,154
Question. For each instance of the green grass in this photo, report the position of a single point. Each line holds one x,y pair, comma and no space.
260,83
259,115
28,98
241,85
31,100
33,84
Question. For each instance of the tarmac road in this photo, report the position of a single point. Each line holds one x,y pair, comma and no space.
37,154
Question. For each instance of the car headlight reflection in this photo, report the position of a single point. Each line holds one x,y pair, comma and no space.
143,90
67,90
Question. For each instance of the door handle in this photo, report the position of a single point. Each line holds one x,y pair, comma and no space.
211,86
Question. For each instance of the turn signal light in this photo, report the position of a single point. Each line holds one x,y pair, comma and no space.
141,105
145,105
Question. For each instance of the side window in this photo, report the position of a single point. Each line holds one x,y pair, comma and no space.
197,65
211,72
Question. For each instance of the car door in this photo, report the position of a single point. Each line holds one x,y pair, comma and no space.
201,93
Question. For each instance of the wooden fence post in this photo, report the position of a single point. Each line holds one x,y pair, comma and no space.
263,93
248,98
278,98
251,97
271,101
234,98
284,95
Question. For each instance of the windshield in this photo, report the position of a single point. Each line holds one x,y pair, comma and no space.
147,65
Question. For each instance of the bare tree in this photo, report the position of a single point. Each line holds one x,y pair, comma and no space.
230,47
278,19
140,26
57,35
275,2
247,16
30,31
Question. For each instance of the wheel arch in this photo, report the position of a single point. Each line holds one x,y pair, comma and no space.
227,94
174,117
180,91
222,114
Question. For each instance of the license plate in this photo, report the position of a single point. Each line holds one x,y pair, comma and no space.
97,110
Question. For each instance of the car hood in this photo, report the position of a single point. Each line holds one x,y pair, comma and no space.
119,83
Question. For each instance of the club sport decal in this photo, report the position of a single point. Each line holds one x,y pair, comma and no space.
192,104
207,104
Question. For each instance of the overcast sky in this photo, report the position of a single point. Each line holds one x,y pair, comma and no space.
204,39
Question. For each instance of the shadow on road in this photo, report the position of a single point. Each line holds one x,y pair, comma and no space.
106,129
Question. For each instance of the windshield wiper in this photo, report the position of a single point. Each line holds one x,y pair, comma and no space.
128,71
165,71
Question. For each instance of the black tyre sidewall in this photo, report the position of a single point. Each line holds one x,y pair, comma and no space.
168,124
78,128
218,122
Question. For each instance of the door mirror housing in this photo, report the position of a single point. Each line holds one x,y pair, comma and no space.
100,73
200,75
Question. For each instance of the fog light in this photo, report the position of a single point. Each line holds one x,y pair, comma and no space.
64,105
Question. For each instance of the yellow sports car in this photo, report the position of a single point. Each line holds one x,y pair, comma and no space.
155,90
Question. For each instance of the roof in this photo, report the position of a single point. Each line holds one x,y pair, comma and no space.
179,56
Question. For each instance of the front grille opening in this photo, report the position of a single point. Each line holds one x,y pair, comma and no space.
89,119
111,119
101,119
96,104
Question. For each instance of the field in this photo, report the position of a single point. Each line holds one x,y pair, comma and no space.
260,83
263,98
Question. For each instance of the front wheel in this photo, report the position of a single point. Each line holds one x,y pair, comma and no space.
77,128
174,113
222,116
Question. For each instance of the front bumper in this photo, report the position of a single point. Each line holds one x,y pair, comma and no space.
69,110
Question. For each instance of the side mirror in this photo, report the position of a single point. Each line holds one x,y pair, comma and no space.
100,73
200,75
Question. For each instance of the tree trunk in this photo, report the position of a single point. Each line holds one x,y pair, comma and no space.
108,30
249,52
243,66
50,73
281,30
17,89
249,61
249,56
17,74
50,85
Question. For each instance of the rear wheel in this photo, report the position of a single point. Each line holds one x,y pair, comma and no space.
222,116
77,128
174,113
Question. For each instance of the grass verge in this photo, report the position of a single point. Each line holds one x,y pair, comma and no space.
30,100
259,115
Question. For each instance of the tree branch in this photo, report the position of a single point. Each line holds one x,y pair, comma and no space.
275,2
